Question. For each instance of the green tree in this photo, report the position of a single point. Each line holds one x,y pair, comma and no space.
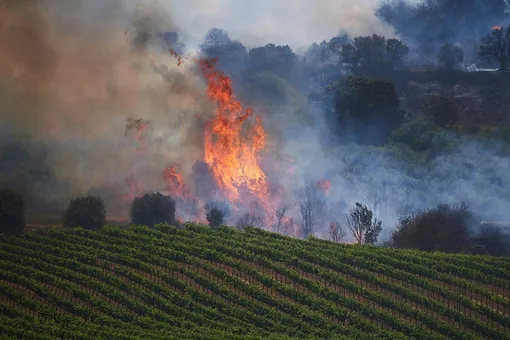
496,46
152,209
362,226
88,212
374,55
215,217
12,212
368,109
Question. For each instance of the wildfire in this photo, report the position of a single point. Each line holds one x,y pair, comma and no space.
496,28
229,151
174,181
324,185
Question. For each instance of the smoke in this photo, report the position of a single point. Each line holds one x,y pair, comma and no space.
283,22
72,73
93,86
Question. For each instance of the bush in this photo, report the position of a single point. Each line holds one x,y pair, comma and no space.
12,212
421,135
441,110
215,217
444,228
88,212
152,209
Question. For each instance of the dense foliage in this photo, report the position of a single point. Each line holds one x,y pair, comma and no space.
151,209
368,108
88,212
12,212
196,283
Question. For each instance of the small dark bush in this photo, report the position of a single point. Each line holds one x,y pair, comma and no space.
152,209
88,212
444,228
12,213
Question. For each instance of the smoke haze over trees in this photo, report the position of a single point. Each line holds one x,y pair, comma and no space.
94,103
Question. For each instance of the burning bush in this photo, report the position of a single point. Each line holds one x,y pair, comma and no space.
152,209
88,212
12,212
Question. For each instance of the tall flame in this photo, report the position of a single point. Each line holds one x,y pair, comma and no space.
229,151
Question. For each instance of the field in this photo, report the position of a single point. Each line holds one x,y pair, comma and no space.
198,283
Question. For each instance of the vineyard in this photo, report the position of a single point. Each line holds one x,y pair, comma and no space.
198,283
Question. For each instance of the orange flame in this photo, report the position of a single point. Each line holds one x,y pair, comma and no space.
175,182
324,185
229,151
497,28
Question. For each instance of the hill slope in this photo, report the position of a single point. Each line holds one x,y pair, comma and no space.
195,283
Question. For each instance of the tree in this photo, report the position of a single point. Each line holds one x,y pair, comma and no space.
232,55
12,212
249,219
336,232
444,228
374,55
87,212
432,23
311,208
442,110
496,46
361,226
216,212
450,57
152,209
215,217
279,218
368,109
491,240
279,60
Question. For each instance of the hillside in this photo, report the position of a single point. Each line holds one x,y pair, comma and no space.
196,283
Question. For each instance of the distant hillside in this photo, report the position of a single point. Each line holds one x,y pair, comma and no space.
198,283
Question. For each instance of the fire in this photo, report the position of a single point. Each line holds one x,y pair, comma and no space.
324,185
229,151
174,181
496,28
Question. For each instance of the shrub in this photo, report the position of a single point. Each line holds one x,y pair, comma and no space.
441,110
88,212
215,217
152,209
216,212
12,212
444,228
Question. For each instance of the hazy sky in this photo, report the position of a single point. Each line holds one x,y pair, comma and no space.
292,22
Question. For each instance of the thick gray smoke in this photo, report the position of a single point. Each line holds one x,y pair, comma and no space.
73,73
95,88
283,22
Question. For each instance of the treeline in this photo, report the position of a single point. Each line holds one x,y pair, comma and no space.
446,228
